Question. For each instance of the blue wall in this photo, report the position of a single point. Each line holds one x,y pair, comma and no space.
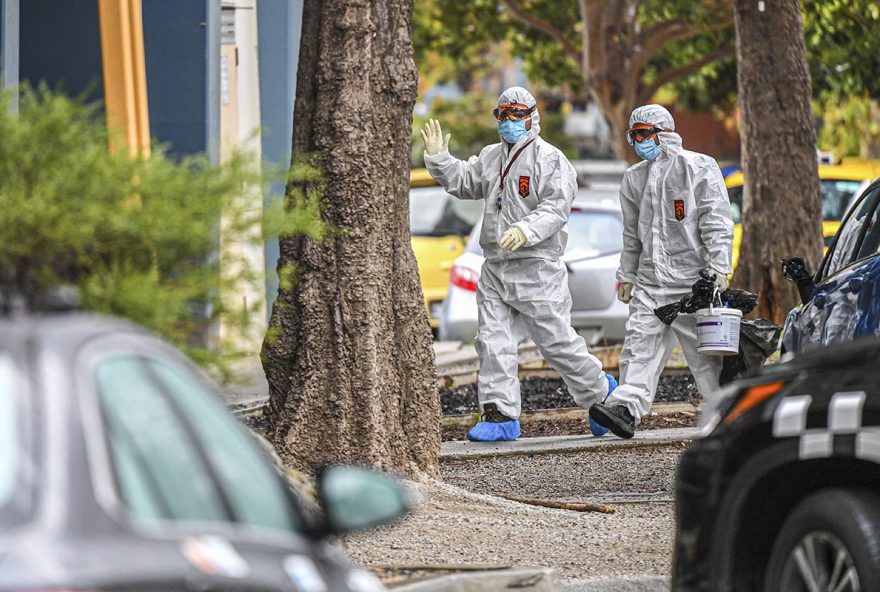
279,22
60,43
175,36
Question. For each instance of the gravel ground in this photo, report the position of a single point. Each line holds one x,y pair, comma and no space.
551,393
462,526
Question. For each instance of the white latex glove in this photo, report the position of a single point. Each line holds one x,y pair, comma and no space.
513,239
625,292
435,143
719,278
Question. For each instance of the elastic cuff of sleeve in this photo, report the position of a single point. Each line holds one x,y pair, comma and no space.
437,157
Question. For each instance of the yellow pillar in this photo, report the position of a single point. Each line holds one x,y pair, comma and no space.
125,76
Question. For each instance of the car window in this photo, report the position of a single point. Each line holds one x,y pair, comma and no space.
433,212
8,431
158,468
735,194
593,234
871,243
836,196
255,491
843,250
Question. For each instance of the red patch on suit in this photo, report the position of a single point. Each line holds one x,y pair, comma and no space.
679,209
524,183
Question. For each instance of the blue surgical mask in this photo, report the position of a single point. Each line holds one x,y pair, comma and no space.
647,149
512,131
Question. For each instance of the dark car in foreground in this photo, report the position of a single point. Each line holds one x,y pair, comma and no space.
842,301
782,490
121,469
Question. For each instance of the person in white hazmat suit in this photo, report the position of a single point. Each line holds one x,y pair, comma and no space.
676,223
528,186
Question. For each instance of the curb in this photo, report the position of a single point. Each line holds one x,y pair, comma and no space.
620,584
463,449
529,579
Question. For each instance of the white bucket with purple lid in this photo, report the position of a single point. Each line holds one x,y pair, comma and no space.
718,331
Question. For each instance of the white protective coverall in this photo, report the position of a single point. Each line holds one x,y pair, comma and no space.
523,292
676,216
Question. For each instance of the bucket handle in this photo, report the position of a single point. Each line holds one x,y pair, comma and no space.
716,293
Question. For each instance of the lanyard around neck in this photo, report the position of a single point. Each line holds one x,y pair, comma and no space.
510,164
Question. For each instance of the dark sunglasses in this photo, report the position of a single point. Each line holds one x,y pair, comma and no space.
512,113
642,134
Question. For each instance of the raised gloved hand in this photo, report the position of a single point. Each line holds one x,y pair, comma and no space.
719,278
513,239
435,143
625,292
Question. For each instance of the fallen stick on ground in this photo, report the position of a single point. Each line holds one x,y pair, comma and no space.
574,506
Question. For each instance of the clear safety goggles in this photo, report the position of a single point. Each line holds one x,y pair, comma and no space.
640,134
513,112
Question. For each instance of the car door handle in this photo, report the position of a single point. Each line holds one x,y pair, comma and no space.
855,284
819,299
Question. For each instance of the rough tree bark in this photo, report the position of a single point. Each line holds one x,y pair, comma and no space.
782,206
349,358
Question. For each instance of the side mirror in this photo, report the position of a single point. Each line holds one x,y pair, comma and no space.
355,499
795,270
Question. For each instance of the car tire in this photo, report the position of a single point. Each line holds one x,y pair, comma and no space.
835,525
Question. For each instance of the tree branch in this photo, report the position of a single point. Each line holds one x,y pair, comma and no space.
545,27
672,74
656,37
585,47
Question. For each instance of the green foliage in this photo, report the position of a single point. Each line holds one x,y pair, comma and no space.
843,42
469,121
842,39
849,128
137,237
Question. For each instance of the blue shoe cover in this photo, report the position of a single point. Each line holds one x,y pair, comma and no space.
596,429
487,431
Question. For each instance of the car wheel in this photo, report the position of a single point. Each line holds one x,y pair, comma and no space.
831,541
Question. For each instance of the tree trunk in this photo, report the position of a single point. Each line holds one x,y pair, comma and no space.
348,356
782,207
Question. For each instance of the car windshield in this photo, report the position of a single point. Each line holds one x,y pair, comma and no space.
591,233
433,212
836,195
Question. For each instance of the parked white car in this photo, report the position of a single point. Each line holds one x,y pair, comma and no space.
595,241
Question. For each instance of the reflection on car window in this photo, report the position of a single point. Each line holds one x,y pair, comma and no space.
593,234
256,493
842,251
157,466
433,212
736,203
8,433
871,243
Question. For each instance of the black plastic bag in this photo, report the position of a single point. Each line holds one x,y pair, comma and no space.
701,296
757,340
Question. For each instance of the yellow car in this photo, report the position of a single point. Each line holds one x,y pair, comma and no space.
439,225
839,183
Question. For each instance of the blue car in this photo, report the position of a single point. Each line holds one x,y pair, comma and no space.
842,301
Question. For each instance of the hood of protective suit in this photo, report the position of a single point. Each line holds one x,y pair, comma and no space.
656,115
517,94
